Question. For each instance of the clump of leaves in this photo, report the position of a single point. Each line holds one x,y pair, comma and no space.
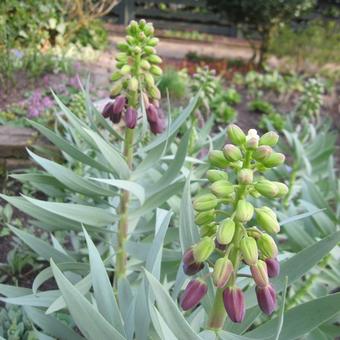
14,324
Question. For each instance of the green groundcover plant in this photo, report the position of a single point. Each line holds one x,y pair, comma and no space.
138,216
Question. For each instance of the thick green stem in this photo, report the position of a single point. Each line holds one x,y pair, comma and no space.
218,313
292,180
123,210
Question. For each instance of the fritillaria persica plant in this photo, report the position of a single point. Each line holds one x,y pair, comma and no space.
230,235
137,65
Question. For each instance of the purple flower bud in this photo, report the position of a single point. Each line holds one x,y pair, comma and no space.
233,299
118,104
188,257
273,267
220,246
193,268
266,298
157,127
131,118
193,294
107,110
152,113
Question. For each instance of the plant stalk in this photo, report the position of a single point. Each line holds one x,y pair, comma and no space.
123,210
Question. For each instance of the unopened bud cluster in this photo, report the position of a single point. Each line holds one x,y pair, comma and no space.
233,230
137,66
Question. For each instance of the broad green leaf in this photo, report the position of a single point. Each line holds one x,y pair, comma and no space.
178,122
83,287
12,291
112,156
127,309
65,146
80,213
90,322
300,217
39,178
154,258
223,335
74,121
160,325
133,187
45,274
41,247
301,319
102,287
44,216
69,178
174,167
169,311
51,325
156,200
42,299
188,233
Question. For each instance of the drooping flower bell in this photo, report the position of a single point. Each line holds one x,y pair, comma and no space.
193,294
233,299
266,298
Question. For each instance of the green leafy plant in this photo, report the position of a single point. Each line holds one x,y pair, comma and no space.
261,105
271,121
175,82
120,220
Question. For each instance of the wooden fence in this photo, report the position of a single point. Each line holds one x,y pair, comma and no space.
175,15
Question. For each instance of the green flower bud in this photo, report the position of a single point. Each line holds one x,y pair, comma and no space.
157,71
149,50
222,188
154,92
208,229
133,84
149,29
262,153
270,138
236,135
154,59
267,188
225,231
249,250
133,27
122,57
244,211
150,82
126,69
123,47
116,76
205,202
153,42
252,139
203,249
252,143
259,273
142,23
223,269
205,217
275,159
116,89
216,175
283,189
141,36
145,64
266,219
232,153
245,176
267,246
216,158
137,50
131,40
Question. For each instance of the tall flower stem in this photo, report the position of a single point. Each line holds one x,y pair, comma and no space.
218,312
123,210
